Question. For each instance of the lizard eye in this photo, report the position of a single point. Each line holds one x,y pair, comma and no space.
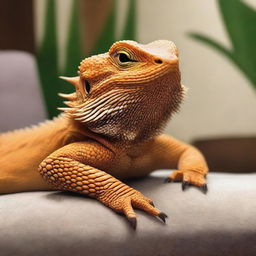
123,58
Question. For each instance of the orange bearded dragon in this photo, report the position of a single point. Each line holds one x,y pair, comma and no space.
109,131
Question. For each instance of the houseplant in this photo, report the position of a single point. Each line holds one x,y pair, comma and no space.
239,19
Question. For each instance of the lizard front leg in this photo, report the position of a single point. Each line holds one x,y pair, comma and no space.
190,165
77,167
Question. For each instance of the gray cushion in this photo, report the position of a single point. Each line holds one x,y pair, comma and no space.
223,222
20,96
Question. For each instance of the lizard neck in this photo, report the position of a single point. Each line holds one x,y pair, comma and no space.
79,131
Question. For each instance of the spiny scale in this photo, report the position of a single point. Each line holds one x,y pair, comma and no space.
67,110
73,80
71,96
69,103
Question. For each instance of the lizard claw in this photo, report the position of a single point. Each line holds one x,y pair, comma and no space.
188,178
133,222
168,180
204,188
162,216
126,203
152,204
185,184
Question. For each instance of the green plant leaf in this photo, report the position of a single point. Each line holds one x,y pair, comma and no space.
239,20
214,44
47,60
240,23
73,48
129,30
73,53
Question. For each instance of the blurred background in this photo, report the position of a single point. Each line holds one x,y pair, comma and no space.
217,44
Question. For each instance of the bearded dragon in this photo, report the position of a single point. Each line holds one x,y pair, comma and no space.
109,131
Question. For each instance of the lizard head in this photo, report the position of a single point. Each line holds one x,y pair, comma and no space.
128,93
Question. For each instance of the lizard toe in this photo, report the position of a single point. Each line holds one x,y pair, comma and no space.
133,222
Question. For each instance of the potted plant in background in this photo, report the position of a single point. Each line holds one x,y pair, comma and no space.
234,154
83,40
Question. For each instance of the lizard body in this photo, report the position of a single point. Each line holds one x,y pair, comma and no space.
109,132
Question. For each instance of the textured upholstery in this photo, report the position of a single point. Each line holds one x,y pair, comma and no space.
223,222
20,97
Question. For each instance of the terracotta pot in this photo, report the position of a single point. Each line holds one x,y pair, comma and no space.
229,154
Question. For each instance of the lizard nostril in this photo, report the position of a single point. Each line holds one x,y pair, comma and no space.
158,61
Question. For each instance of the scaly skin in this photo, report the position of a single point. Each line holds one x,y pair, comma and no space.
109,132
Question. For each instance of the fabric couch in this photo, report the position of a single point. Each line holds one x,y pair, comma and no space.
222,222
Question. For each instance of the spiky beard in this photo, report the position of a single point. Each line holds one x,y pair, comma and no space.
130,115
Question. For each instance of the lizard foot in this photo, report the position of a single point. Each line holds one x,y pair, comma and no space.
66,174
125,203
188,178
